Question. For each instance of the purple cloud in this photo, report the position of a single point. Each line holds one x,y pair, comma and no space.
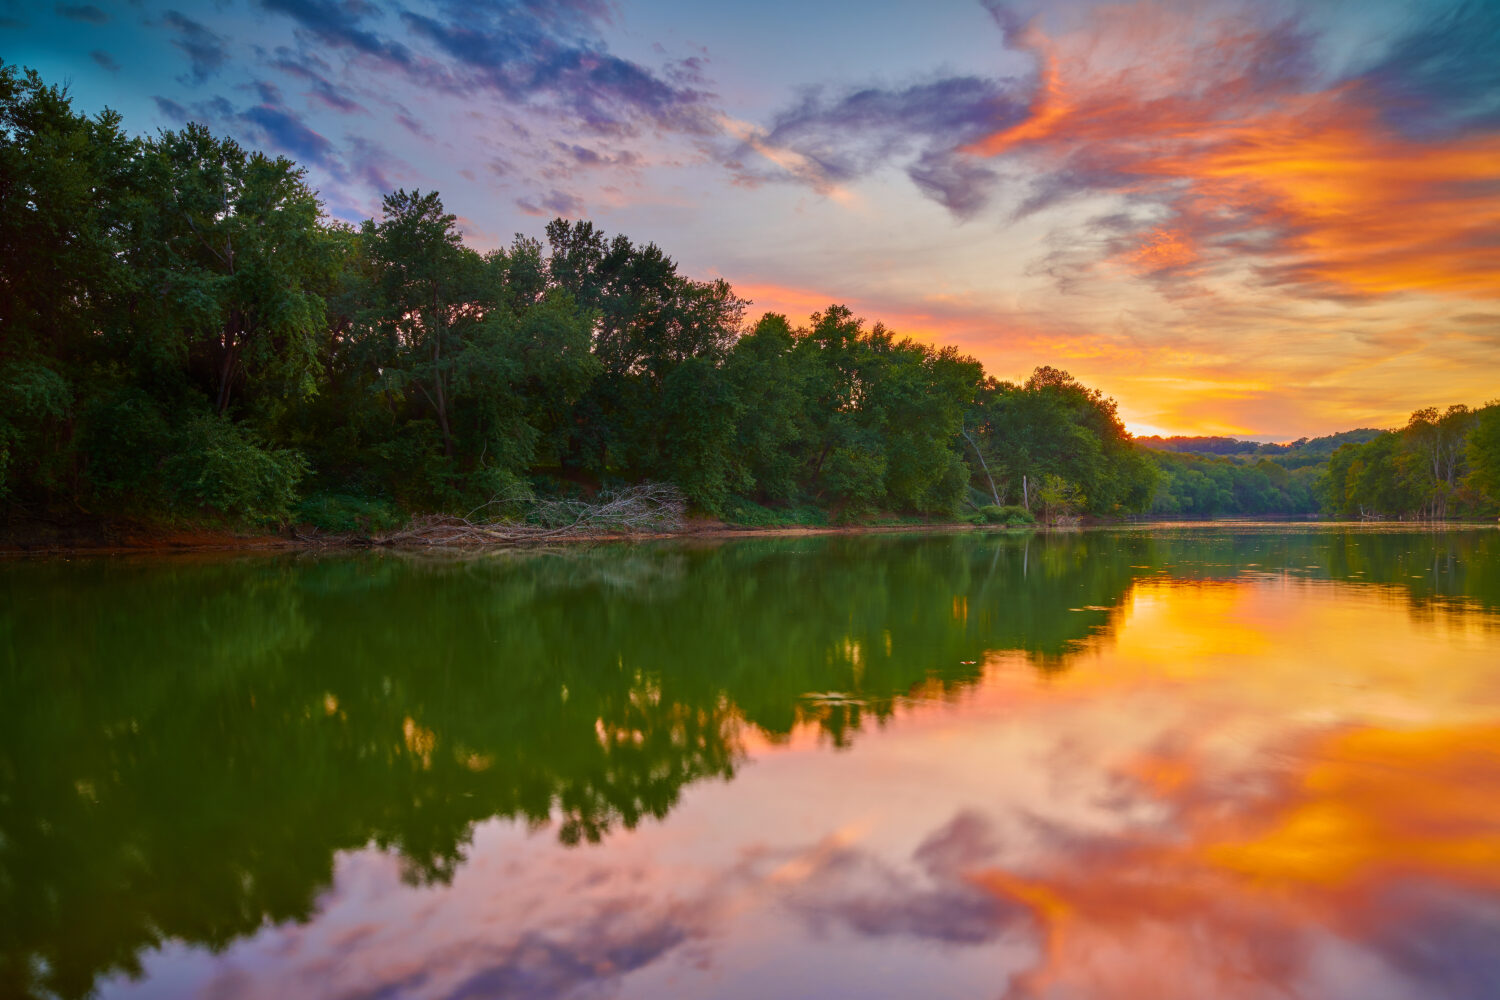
312,70
83,12
1443,78
205,50
171,109
926,125
282,130
553,203
341,26
526,51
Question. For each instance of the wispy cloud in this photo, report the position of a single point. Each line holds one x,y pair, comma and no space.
282,130
87,13
553,203
839,138
206,50
546,54
314,72
342,26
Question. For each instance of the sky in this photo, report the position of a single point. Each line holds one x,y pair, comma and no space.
1265,219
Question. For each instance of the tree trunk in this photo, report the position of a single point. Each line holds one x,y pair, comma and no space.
982,464
440,398
226,373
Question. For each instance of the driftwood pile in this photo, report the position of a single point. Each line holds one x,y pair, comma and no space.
648,508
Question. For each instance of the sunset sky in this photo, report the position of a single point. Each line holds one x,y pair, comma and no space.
1262,219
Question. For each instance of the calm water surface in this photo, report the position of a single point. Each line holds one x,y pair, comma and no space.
1212,762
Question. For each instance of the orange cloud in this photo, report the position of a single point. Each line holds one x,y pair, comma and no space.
1163,249
1009,344
1313,188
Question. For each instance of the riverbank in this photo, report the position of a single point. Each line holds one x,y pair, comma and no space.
123,537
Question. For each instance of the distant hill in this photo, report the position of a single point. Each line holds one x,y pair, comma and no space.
1304,451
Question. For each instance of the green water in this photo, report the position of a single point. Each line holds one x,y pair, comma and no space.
819,766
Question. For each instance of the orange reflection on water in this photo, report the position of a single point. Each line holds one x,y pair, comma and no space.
1375,803
1373,814
1340,788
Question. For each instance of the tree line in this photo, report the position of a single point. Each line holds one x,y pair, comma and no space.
1212,476
185,334
1441,465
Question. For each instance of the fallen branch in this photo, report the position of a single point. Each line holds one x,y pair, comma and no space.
648,508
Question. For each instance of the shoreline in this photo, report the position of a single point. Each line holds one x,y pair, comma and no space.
140,540
136,539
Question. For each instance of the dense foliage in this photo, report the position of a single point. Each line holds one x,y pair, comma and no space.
185,333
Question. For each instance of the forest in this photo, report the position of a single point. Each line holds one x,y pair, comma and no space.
185,335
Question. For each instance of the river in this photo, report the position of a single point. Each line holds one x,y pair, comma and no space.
1199,761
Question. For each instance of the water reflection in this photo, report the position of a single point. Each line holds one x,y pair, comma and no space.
193,743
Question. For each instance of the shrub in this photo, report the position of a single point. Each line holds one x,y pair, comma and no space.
345,513
218,465
1010,514
746,512
1015,515
856,476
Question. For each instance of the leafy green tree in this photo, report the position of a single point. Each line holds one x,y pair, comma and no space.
1483,453
428,299
1435,453
636,420
464,369
1059,499
770,386
232,266
1052,424
61,176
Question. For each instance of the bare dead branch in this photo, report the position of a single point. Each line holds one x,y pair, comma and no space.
517,517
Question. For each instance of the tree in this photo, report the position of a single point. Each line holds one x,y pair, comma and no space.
426,283
1483,452
233,268
1052,424
771,388
61,177
647,322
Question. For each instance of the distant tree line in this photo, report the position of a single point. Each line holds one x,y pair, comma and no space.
1443,464
184,333
1215,476
1195,485
1289,455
